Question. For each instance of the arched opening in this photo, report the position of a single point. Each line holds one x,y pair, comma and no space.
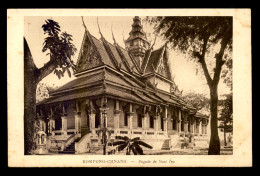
57,117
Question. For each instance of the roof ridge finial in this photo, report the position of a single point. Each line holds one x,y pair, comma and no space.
84,24
99,29
113,34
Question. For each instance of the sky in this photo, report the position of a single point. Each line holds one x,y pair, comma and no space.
183,70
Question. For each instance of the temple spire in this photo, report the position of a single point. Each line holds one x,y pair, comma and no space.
84,23
137,43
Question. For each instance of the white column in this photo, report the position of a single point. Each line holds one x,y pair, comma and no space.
130,115
165,124
144,121
130,120
116,121
200,131
156,123
77,123
186,126
198,127
92,122
64,124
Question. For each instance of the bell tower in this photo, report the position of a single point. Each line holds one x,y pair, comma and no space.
137,43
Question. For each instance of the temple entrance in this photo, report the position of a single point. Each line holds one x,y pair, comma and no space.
58,122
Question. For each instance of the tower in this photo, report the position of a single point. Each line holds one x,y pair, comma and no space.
137,43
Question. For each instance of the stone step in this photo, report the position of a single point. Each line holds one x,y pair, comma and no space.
166,145
67,152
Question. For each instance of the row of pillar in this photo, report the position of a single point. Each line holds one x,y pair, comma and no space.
194,127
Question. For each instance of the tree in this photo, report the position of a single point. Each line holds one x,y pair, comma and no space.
197,100
60,49
43,91
201,37
131,145
226,115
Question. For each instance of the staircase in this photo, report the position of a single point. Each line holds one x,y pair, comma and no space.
166,145
69,150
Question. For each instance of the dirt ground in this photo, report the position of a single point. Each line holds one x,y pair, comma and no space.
201,151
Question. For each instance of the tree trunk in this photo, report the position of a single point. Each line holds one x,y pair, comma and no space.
214,145
32,76
30,85
29,112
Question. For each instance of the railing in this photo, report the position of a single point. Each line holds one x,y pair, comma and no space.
61,132
69,140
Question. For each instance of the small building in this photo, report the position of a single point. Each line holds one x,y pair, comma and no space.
128,90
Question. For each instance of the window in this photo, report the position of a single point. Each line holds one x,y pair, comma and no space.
151,122
139,120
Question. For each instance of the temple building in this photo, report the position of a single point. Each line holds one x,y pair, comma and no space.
130,91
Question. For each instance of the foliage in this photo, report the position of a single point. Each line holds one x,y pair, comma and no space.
197,36
131,145
189,32
227,73
208,40
226,113
60,47
197,100
43,91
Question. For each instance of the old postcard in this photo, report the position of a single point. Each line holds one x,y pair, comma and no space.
129,88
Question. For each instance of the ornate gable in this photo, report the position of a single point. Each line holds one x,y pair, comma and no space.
163,66
89,57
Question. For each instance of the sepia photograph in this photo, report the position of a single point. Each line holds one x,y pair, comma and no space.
116,85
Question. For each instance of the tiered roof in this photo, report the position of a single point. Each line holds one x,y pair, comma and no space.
123,79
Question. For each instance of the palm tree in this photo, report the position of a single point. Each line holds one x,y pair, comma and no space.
130,145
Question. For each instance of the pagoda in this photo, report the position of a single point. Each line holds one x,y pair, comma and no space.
129,91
